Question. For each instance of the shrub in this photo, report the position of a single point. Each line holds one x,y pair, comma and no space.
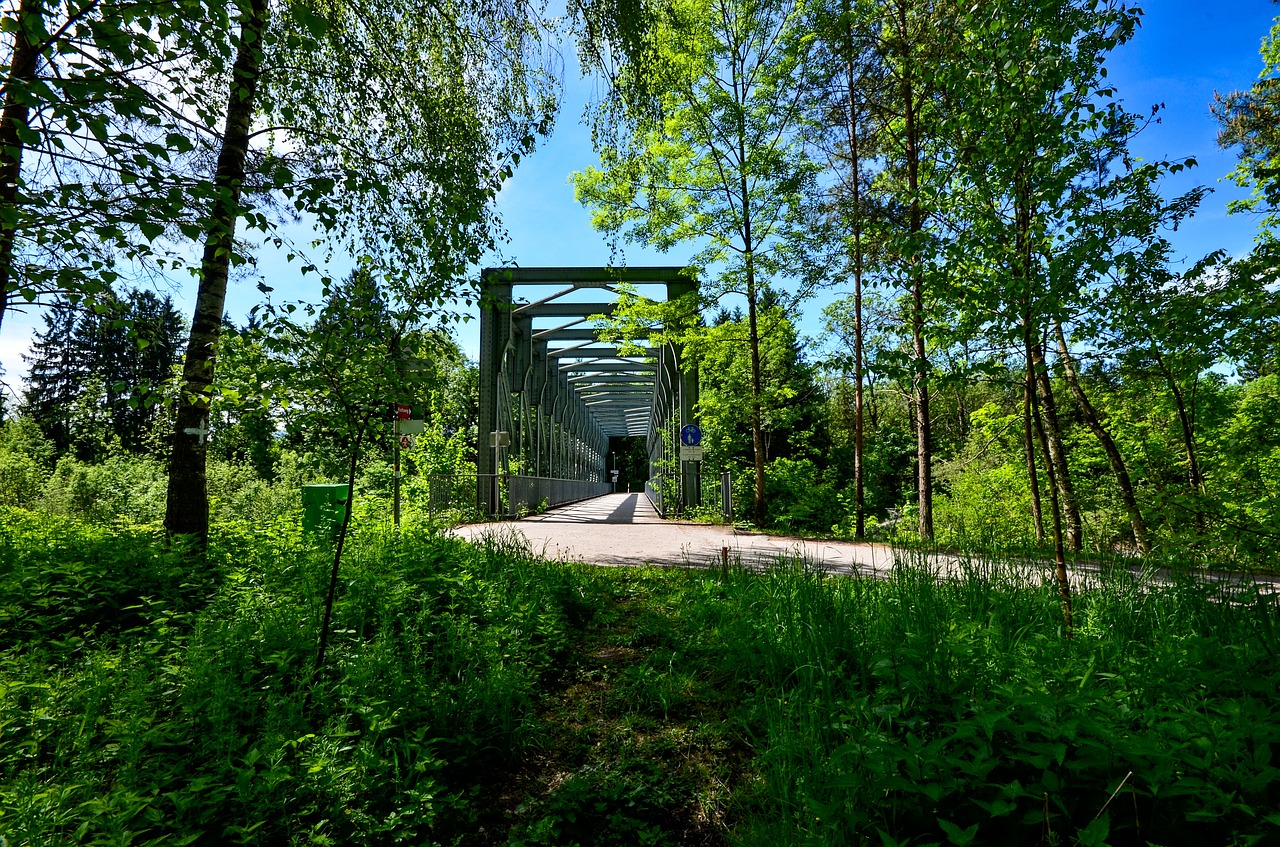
798,498
990,507
25,458
122,486
21,479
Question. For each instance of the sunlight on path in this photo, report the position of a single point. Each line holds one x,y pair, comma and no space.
624,529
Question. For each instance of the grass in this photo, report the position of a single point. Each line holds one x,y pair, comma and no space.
477,695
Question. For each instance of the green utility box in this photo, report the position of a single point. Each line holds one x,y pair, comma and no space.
323,506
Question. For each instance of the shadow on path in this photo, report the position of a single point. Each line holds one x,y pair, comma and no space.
625,530
609,509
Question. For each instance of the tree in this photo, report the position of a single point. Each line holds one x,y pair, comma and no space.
248,406
352,358
459,97
790,398
128,344
100,125
708,155
53,382
914,47
848,76
1249,120
1053,205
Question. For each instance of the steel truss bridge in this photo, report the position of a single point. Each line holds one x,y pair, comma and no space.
552,393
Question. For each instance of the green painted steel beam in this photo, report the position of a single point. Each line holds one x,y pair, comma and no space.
566,310
570,335
609,366
587,277
638,378
592,352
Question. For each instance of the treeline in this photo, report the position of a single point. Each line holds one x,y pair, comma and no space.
985,491
964,171
90,434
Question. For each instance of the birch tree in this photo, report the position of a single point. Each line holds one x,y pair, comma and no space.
391,124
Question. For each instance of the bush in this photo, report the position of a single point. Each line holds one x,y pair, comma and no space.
799,499
21,479
139,709
988,507
25,458
121,487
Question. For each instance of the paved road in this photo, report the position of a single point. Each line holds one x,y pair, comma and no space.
624,529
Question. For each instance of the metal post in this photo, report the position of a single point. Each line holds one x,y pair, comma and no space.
726,495
497,491
495,331
395,477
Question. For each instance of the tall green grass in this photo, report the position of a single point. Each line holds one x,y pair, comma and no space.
143,704
477,695
918,710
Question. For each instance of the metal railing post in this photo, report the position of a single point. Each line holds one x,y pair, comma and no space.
726,495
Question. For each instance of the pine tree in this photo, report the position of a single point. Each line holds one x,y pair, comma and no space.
128,345
57,372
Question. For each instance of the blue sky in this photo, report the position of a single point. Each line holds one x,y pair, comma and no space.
1184,51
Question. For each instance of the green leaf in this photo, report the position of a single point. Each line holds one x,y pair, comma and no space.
1095,834
314,23
956,835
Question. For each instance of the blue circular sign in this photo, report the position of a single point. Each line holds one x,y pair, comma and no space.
691,435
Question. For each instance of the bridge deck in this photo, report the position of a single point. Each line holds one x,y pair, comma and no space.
610,509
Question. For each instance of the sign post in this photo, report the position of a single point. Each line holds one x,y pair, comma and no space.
406,429
402,413
691,452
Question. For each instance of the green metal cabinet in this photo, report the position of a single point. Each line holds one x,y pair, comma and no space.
322,507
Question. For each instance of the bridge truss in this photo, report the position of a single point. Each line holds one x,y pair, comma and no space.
552,393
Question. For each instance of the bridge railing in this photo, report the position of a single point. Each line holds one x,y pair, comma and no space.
516,494
534,493
714,489
653,490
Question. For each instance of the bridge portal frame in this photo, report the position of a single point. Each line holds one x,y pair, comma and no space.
561,392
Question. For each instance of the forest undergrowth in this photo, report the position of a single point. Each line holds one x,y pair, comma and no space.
476,695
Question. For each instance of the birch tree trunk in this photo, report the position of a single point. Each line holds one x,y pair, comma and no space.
187,504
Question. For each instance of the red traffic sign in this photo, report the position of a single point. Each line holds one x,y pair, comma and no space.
402,412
